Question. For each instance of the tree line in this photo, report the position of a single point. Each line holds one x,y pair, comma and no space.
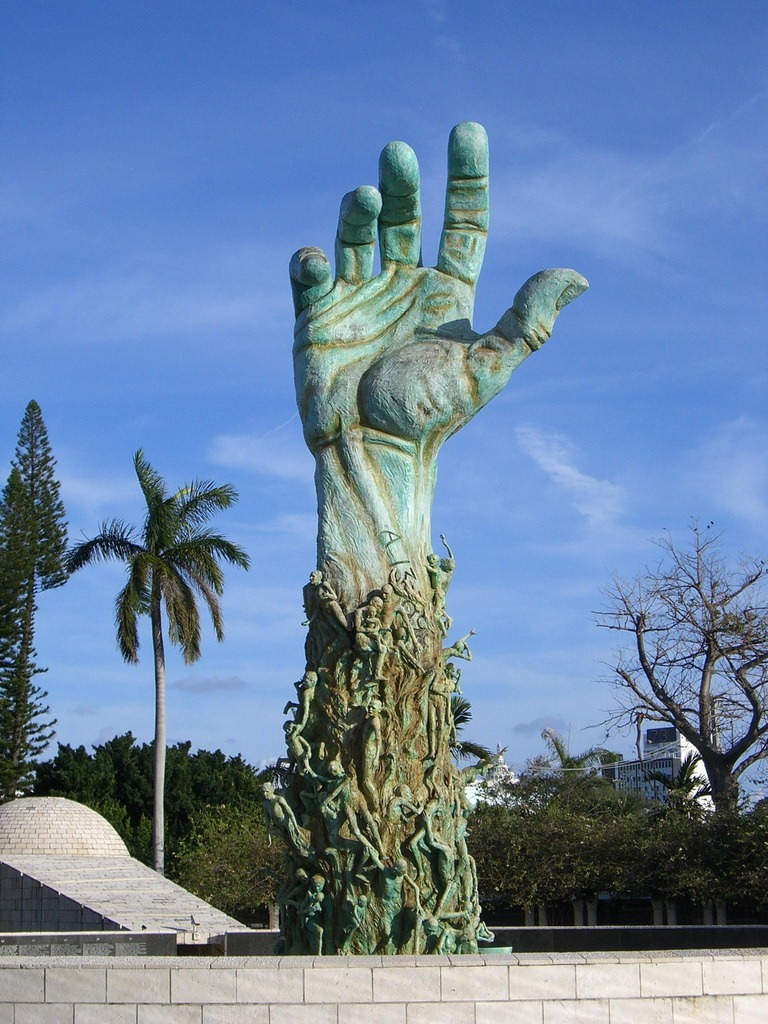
695,623
552,846
561,840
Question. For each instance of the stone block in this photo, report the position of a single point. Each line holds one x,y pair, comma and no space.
195,985
43,1013
90,1013
441,1013
577,1011
605,981
372,1013
269,985
169,1014
138,985
22,985
671,978
75,985
406,984
474,984
315,1014
750,1009
338,985
542,981
229,1014
519,1012
704,1010
732,977
642,1011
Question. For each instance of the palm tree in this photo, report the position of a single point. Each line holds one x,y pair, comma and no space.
461,711
170,561
686,790
587,762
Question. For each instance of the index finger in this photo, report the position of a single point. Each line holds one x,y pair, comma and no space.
465,227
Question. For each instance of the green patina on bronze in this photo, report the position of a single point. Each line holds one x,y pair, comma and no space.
387,367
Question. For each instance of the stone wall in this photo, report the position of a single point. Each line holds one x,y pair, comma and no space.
713,987
26,904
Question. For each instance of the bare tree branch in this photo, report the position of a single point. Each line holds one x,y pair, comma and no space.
697,654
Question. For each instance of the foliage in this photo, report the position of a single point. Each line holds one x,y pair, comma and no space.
555,835
231,860
32,542
549,855
461,711
698,655
684,790
565,781
116,781
170,562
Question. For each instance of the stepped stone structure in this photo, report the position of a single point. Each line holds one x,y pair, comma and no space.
63,868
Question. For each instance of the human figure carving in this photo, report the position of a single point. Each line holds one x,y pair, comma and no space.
344,804
387,366
438,714
311,911
459,649
371,638
305,691
281,815
440,571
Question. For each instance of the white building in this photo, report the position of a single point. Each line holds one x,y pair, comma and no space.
664,750
493,784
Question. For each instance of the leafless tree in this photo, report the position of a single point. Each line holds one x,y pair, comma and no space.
697,657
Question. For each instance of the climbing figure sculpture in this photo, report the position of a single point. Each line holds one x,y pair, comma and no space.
387,367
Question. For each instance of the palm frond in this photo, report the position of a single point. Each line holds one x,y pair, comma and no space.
200,557
130,603
153,486
196,561
116,541
464,749
197,502
181,608
214,606
461,710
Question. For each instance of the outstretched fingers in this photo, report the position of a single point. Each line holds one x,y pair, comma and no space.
356,236
400,218
538,303
465,227
311,277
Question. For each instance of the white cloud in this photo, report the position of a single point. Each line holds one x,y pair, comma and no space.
731,469
623,202
95,497
195,292
211,684
278,453
538,725
599,501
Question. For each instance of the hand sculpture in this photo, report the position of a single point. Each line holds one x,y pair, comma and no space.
387,367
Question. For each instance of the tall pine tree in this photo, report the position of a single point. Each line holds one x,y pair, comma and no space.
33,538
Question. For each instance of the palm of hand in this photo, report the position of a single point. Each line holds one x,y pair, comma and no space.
386,367
351,332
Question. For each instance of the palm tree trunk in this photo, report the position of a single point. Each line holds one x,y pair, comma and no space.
158,816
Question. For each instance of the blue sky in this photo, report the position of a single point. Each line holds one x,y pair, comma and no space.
161,162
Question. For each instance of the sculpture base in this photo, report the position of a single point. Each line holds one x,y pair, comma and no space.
371,804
